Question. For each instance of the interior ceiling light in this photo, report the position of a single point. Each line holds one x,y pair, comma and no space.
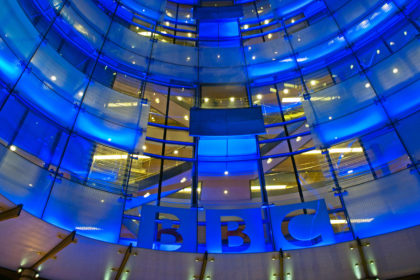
121,104
291,99
117,157
336,151
356,221
269,187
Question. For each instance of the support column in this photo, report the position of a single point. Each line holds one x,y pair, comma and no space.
124,262
203,266
11,213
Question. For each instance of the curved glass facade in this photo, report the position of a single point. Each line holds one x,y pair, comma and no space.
95,99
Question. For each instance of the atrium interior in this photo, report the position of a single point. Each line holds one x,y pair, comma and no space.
210,139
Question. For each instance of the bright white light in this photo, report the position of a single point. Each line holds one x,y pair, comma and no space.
109,157
179,98
146,195
386,7
259,96
395,70
356,221
291,99
226,172
232,99
286,91
186,118
367,85
269,188
53,78
88,228
206,100
313,82
183,180
109,139
269,160
336,151
145,33
188,190
13,148
118,157
225,192
121,104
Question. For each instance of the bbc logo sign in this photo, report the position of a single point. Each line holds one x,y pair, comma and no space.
237,230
